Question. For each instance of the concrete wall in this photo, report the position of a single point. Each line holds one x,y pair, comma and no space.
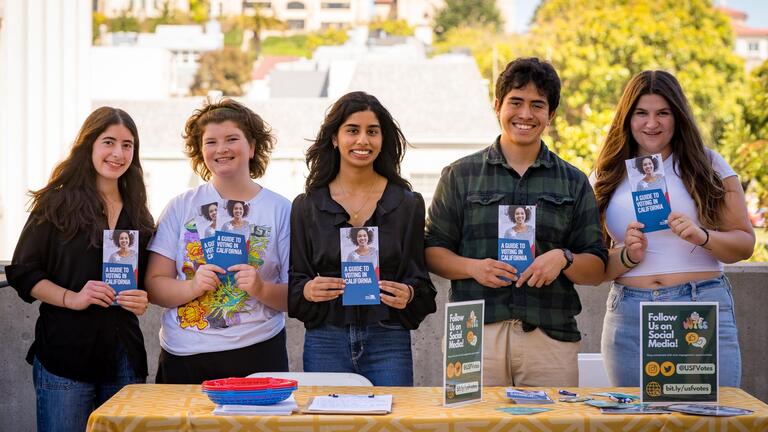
17,321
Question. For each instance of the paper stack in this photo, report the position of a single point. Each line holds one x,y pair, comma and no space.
285,407
520,396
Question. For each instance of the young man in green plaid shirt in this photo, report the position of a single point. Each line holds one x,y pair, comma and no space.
530,338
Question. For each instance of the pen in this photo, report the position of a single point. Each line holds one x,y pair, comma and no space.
566,393
620,399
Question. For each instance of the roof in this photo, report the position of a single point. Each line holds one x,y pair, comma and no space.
733,13
265,64
161,123
744,31
436,102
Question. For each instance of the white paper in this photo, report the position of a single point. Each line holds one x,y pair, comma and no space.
285,407
351,404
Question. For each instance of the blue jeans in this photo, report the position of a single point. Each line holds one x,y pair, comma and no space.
380,352
64,404
621,327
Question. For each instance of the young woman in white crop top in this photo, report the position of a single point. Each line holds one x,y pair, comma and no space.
708,224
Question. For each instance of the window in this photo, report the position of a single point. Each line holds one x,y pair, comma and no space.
257,4
425,184
296,24
296,5
753,46
334,5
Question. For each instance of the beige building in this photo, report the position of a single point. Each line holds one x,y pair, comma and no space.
751,43
138,8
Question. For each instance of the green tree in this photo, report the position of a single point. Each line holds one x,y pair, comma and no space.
257,24
467,13
97,19
226,70
392,27
749,157
599,48
124,23
198,10
331,36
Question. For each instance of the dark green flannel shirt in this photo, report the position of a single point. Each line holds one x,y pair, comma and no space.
463,218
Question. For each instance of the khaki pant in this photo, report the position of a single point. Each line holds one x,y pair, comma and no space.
533,359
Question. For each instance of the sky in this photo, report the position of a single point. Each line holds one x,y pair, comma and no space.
757,11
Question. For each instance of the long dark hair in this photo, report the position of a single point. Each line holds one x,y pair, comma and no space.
70,200
695,166
323,160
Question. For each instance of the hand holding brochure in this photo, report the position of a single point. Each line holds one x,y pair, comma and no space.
517,235
360,265
232,235
649,191
350,404
120,255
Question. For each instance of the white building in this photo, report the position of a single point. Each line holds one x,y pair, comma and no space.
162,63
441,105
44,73
422,12
751,43
138,8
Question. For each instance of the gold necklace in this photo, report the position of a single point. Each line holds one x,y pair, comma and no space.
367,197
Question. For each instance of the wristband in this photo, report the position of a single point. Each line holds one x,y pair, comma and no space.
625,257
64,299
706,232
410,294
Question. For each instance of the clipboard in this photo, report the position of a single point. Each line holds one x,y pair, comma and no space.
350,404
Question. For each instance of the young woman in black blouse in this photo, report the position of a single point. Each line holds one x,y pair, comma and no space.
354,180
85,349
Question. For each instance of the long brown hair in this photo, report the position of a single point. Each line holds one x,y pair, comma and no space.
690,156
70,200
324,161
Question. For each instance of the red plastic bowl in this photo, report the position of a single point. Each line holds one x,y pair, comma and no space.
248,384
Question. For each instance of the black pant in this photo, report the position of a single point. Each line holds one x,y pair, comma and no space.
267,356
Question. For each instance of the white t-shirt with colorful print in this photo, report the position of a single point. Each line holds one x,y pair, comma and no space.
226,318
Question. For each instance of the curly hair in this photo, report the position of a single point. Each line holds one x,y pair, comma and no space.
204,210
639,163
700,179
323,160
524,70
231,207
257,132
116,237
353,234
70,200
513,208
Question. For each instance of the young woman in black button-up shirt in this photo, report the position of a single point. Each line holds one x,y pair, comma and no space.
354,180
85,348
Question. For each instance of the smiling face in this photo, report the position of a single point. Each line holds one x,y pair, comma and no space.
226,151
520,215
523,115
653,125
359,140
648,166
112,153
213,210
124,240
362,238
237,211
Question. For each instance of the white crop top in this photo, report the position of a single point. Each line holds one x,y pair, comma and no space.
666,253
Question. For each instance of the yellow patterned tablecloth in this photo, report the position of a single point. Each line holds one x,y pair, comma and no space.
156,407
